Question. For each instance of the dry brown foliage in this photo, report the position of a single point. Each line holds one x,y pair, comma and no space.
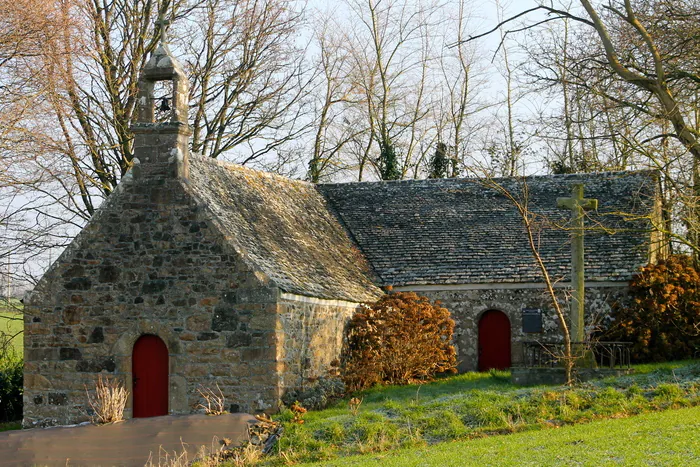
220,451
108,402
262,438
400,339
662,320
214,402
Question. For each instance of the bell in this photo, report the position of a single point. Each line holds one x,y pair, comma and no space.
164,106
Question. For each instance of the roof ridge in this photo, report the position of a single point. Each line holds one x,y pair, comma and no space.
242,168
515,178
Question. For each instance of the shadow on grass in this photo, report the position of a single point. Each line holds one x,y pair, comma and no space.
663,367
499,380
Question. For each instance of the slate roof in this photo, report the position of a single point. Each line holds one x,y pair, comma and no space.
283,228
459,231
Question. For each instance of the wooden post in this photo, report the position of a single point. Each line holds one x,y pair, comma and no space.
577,204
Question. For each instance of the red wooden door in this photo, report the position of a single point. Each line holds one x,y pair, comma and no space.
150,371
494,341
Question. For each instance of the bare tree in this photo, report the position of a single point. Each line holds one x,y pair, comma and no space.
646,61
391,50
513,148
248,77
71,69
389,91
649,71
460,102
532,224
505,141
336,91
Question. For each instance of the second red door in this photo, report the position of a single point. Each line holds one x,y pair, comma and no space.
494,341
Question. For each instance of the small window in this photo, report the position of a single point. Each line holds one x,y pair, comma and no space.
532,320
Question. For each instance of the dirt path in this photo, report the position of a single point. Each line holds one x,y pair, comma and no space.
128,443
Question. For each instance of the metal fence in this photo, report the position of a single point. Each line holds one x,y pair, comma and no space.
592,354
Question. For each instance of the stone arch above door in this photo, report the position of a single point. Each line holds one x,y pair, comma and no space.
125,344
122,351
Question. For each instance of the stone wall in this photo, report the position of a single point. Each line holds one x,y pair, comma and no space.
468,304
310,337
149,262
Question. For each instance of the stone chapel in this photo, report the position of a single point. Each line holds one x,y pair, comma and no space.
196,273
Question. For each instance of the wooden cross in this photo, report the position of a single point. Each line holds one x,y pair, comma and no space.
577,204
163,24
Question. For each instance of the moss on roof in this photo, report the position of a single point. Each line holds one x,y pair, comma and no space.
463,231
283,228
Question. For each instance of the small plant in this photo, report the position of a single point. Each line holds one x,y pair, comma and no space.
214,402
108,402
218,452
265,433
298,412
354,405
166,459
668,391
262,438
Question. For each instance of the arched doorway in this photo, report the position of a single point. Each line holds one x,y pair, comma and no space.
150,377
494,341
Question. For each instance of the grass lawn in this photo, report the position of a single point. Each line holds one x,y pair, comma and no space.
11,323
477,405
661,438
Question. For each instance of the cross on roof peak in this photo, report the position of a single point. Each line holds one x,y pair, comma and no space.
163,25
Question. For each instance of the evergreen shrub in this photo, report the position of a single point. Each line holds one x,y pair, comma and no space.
11,389
400,339
319,396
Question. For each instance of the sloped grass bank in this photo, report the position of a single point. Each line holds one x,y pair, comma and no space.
477,405
10,325
661,438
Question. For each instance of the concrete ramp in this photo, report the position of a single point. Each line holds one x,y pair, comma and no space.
128,443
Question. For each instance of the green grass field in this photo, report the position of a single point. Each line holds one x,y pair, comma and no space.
11,324
668,438
477,405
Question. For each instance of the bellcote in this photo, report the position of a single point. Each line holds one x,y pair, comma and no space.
161,131
162,67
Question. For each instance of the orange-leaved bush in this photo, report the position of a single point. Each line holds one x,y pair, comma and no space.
400,339
663,318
